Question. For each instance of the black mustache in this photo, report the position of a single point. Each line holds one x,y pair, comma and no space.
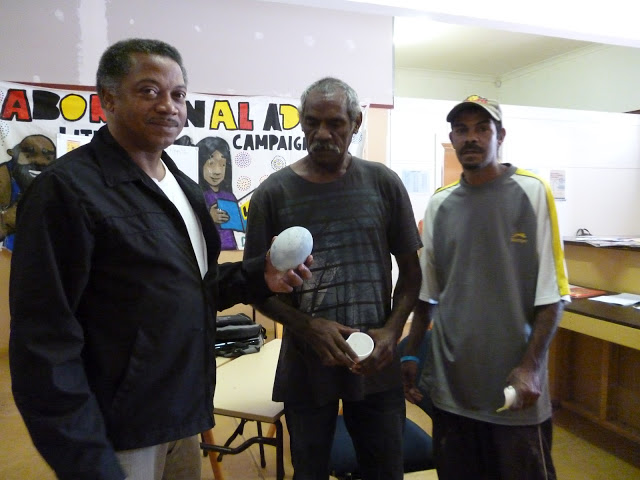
168,122
472,149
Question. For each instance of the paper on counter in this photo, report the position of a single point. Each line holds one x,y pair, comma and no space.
624,299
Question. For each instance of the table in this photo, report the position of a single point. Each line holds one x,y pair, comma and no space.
243,390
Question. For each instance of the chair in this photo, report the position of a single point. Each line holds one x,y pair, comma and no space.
207,437
417,444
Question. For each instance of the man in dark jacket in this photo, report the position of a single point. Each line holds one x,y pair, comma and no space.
115,285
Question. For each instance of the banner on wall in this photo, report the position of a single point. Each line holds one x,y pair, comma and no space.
229,145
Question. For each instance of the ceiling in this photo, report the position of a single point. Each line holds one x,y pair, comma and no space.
498,38
424,44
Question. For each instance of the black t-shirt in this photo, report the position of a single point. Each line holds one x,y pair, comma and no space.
357,222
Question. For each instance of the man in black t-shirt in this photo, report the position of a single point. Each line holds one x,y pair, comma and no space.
359,215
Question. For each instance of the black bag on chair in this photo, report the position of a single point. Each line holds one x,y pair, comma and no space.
238,335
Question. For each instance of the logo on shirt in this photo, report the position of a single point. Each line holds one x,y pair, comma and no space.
519,237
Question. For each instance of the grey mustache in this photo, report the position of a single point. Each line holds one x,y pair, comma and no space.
315,146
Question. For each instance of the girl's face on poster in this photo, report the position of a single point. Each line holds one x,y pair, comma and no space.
215,169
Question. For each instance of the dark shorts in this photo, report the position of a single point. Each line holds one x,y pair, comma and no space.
375,425
467,448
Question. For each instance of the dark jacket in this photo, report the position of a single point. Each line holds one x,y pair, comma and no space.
112,326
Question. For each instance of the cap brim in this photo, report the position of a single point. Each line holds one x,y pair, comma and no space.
466,105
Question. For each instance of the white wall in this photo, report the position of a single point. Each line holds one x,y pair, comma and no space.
598,151
436,85
598,78
242,47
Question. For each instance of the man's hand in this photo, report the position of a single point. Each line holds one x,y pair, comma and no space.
327,338
528,387
384,348
526,378
409,376
283,282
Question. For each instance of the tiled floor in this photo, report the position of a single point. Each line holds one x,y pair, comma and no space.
579,451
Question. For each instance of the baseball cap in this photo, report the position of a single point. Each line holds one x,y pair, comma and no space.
491,106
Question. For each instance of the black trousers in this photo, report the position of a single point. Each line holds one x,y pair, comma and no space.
470,449
375,425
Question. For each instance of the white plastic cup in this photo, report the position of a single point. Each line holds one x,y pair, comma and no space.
361,343
510,395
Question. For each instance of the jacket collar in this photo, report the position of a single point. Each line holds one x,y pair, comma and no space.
116,164
118,167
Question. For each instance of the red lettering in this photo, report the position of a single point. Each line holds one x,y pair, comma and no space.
97,114
16,105
243,112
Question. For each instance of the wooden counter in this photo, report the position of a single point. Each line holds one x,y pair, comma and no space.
613,323
594,361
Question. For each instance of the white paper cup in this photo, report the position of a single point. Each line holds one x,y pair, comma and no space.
361,343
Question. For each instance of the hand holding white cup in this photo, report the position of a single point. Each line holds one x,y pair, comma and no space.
361,343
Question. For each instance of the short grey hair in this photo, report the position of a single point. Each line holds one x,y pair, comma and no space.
116,61
329,85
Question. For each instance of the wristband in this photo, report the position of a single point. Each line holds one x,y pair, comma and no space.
409,358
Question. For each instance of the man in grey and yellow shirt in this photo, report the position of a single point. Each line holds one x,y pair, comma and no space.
493,282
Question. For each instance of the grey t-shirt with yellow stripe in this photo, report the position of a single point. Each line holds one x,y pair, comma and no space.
492,252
